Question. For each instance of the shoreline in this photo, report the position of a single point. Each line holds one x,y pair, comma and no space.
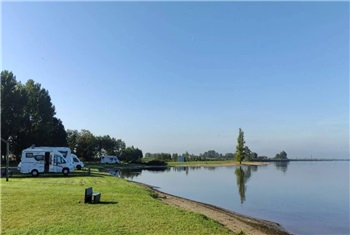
232,220
199,164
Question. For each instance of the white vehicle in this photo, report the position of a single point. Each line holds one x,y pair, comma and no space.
65,151
43,160
77,163
109,159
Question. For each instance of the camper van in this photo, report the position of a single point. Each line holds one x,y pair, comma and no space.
77,163
42,160
109,159
65,151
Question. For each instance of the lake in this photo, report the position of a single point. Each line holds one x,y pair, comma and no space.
304,197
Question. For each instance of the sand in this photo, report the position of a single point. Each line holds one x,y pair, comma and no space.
233,221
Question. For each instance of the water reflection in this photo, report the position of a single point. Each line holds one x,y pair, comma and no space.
242,176
131,173
282,165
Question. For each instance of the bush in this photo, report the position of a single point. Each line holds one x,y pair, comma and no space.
156,163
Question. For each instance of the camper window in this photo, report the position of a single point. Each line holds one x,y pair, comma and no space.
59,160
39,157
75,159
29,155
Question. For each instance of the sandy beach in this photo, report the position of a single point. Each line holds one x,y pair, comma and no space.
234,221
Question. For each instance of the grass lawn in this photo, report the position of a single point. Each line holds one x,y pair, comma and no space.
54,204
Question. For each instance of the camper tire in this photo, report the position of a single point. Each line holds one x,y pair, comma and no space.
35,173
65,171
79,167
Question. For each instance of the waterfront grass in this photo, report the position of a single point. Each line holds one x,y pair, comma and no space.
53,204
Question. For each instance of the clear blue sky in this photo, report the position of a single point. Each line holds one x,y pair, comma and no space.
182,76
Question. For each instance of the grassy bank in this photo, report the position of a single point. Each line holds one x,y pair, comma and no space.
55,205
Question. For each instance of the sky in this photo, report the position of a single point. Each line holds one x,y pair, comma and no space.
185,76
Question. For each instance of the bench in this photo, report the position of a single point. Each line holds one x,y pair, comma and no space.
91,197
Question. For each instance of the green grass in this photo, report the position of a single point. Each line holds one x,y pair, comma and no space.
53,204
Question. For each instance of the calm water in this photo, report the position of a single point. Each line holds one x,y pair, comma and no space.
304,197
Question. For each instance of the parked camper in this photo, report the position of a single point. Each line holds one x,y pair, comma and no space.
65,151
77,163
109,159
43,160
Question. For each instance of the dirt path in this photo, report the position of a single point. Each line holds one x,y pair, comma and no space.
233,221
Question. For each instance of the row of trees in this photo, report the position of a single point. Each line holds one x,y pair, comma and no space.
209,155
28,115
88,146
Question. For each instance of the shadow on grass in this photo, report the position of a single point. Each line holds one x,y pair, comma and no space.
57,175
104,203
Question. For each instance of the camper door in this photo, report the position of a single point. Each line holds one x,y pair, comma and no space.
59,163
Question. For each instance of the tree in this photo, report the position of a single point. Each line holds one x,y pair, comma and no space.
72,139
239,156
87,146
58,134
13,99
38,115
229,155
131,154
28,115
281,156
109,145
211,154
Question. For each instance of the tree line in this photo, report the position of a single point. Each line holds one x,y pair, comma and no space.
28,117
88,146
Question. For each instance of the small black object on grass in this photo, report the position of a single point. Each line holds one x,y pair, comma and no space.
91,197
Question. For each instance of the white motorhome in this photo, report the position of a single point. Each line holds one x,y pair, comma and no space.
109,159
77,163
65,151
43,160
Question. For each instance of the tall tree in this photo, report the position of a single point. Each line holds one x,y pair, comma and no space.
239,156
27,115
13,100
58,134
38,116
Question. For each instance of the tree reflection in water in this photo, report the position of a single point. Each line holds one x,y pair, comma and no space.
282,165
242,176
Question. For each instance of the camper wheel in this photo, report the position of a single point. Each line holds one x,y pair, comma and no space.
35,173
65,171
79,167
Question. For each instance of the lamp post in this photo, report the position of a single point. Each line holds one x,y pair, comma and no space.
7,157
